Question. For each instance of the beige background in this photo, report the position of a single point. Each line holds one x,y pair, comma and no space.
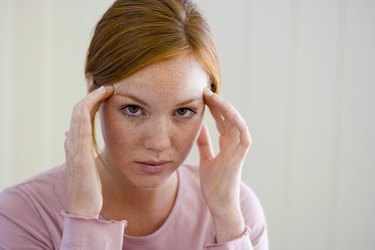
302,72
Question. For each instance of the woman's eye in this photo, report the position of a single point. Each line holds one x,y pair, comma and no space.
132,110
185,113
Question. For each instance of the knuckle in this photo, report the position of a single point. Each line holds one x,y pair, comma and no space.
77,107
247,143
79,111
67,146
80,107
246,140
77,160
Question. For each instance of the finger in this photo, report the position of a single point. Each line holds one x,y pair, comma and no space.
227,111
224,109
219,120
84,111
96,97
204,145
245,137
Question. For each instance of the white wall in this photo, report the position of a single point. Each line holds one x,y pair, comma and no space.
301,72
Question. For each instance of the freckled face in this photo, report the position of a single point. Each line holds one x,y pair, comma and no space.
150,123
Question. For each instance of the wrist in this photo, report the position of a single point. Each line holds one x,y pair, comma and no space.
79,212
229,227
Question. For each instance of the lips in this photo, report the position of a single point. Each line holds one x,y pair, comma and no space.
152,167
153,163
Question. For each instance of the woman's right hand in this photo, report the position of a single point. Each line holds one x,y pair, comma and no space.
84,187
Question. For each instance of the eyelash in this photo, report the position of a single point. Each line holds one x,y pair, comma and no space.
125,110
192,113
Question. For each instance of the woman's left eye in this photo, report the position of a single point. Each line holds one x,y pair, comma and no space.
185,113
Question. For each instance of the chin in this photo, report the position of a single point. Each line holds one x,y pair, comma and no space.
150,183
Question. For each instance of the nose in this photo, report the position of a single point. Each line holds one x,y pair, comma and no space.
158,136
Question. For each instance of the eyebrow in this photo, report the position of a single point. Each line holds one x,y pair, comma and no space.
134,98
194,99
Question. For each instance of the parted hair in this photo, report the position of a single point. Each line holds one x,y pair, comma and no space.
133,34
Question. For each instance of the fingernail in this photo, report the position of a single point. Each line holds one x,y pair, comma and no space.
110,88
208,91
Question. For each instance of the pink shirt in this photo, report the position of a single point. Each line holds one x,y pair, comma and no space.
32,217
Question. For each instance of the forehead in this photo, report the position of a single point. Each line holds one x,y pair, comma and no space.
180,74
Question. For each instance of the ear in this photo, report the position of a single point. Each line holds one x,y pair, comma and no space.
90,83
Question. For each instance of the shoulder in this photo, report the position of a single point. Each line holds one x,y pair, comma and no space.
32,209
253,213
251,207
40,194
47,184
250,203
36,192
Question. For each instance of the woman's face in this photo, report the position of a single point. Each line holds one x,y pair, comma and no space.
152,120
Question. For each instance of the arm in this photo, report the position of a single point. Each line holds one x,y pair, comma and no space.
220,175
82,227
29,220
256,235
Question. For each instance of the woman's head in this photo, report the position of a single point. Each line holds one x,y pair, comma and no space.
133,34
162,53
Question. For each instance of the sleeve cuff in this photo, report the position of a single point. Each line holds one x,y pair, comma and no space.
241,242
91,233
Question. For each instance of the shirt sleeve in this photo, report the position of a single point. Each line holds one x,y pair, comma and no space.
91,233
240,243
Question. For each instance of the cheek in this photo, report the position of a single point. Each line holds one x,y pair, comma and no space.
117,135
188,137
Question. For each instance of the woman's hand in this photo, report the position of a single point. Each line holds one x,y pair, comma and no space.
220,175
84,186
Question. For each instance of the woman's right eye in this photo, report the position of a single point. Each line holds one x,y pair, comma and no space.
132,110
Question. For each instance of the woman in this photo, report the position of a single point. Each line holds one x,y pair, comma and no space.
151,70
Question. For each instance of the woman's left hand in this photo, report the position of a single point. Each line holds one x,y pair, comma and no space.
220,175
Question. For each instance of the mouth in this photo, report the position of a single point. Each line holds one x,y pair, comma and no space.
153,167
